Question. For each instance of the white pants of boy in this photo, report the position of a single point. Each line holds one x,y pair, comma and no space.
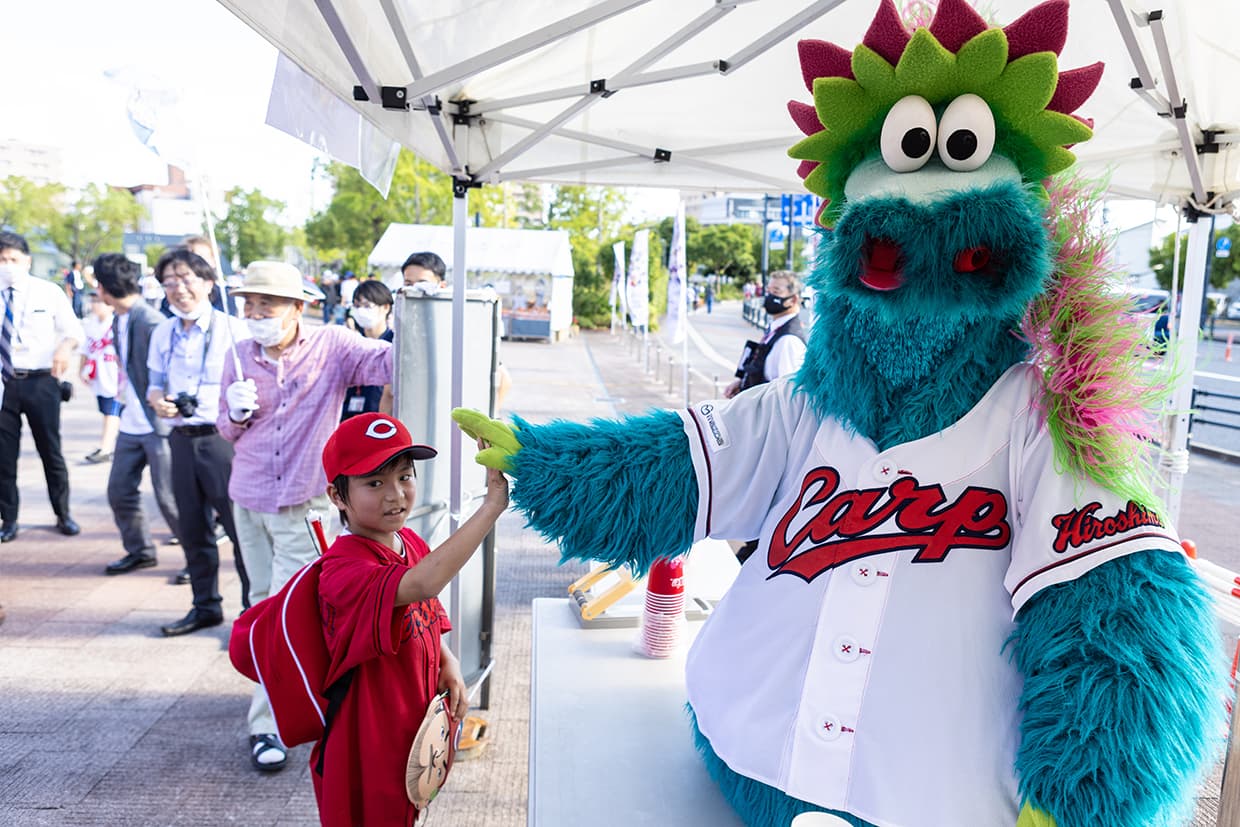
274,547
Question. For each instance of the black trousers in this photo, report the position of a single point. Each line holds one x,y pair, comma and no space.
201,465
38,399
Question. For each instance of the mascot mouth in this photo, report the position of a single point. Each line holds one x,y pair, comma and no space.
882,265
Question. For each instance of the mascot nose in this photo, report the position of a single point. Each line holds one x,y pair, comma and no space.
972,259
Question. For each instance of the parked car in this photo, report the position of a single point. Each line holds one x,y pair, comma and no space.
1233,310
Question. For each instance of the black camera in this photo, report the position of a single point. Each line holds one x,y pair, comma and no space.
186,404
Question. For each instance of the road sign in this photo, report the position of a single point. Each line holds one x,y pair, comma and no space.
1222,247
775,237
797,209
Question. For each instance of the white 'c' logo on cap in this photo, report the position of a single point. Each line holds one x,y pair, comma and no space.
381,429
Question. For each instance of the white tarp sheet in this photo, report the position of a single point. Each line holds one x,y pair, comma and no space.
723,131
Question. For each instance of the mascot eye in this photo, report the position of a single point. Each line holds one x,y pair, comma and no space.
966,133
908,134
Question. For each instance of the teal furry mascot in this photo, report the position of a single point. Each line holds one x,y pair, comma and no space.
965,609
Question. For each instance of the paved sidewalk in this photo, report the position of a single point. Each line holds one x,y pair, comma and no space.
104,722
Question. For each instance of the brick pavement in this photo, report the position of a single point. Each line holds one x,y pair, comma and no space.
104,722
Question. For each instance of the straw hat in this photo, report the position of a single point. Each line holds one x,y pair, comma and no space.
273,278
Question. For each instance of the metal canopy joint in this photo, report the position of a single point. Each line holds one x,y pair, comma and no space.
462,184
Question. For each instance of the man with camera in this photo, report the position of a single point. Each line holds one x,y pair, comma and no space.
37,339
186,362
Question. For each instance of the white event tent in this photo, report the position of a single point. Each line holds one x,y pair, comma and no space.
692,94
508,260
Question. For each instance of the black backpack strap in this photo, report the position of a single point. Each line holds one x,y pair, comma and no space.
335,697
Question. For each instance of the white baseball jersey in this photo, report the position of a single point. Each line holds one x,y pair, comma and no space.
858,661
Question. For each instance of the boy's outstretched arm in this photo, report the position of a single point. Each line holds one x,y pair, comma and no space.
429,576
623,492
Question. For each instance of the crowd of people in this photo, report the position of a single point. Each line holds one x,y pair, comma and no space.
225,395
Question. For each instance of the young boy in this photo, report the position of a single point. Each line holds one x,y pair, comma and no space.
377,595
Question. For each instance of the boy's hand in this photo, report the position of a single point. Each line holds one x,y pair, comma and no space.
497,484
500,436
451,681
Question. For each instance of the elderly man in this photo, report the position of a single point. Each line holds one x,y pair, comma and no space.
279,416
143,437
186,363
37,338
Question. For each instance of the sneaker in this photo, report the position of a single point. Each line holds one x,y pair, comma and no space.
99,455
267,754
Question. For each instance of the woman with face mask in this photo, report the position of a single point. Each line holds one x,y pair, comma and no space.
371,316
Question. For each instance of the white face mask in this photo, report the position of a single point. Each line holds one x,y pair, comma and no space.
367,317
267,332
10,274
190,315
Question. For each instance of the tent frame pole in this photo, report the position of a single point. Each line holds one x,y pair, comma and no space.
522,45
1195,277
599,89
429,102
336,26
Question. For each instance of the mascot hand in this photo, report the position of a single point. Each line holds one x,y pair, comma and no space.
1030,817
501,436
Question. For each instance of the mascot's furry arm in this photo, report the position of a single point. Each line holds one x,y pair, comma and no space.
1121,708
622,492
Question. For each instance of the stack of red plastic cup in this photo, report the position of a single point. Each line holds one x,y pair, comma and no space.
663,620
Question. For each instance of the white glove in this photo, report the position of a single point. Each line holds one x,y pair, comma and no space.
242,398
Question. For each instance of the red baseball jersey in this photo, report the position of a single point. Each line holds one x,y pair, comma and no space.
395,650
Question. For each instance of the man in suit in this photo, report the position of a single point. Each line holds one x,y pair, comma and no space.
143,438
37,340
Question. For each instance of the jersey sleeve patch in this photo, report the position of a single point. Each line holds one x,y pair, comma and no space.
714,430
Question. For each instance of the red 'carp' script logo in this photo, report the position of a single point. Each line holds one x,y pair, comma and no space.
834,527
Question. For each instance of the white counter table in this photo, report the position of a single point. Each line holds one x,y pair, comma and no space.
610,740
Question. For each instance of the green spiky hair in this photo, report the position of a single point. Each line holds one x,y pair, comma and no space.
1020,81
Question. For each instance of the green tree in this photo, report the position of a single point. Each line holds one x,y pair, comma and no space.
1222,270
153,252
28,208
728,249
250,230
343,234
589,214
358,215
95,222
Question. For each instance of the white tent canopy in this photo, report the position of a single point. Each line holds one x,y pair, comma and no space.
692,94
487,249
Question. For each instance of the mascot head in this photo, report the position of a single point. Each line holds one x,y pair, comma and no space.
949,252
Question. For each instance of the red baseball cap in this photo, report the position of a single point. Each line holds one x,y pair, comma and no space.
362,443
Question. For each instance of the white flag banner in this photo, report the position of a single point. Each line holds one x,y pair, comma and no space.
639,280
677,281
618,283
157,116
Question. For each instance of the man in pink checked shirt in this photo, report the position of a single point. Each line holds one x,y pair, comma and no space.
279,417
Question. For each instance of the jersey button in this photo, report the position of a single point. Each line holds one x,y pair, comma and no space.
884,469
846,649
863,574
829,728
